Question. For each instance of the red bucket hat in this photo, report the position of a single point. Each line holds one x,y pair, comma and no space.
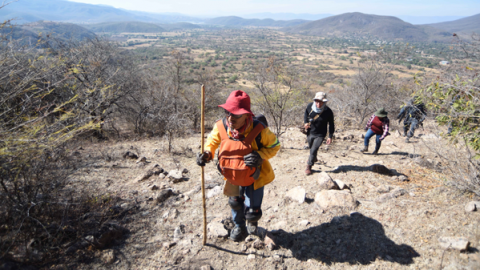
237,103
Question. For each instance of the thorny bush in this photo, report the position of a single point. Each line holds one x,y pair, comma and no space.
454,98
48,98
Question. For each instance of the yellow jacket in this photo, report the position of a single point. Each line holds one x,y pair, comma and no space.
271,145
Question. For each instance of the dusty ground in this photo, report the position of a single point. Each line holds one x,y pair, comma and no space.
399,233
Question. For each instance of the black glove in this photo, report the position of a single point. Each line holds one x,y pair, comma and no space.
203,158
253,159
256,174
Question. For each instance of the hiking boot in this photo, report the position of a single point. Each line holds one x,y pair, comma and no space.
238,233
308,170
375,152
252,228
365,149
407,140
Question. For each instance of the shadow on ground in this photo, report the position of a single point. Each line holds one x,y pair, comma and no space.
354,239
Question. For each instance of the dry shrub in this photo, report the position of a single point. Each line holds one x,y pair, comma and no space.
51,97
457,161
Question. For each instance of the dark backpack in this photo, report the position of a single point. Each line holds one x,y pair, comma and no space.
261,118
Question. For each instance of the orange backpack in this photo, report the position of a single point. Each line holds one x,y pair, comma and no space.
231,153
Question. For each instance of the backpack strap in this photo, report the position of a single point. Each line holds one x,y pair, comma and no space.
256,123
258,139
254,133
222,129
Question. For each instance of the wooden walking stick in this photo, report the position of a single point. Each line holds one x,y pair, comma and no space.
202,128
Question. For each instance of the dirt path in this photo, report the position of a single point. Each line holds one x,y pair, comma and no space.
382,232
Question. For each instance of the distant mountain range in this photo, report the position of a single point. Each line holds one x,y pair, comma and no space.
464,26
99,18
286,16
25,11
366,26
234,21
124,27
30,33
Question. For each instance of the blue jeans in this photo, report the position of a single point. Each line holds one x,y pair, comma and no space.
369,135
253,199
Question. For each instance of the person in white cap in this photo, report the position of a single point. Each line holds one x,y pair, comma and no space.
316,119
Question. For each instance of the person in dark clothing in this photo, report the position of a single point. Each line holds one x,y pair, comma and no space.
378,125
452,112
317,116
414,114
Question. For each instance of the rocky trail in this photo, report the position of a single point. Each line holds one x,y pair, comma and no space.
356,211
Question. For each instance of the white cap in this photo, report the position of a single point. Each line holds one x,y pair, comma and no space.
320,96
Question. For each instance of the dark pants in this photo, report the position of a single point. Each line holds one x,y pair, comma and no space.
253,199
409,127
314,143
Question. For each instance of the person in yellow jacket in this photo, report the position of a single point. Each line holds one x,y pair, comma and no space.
246,145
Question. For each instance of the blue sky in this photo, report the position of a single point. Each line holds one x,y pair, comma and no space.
240,7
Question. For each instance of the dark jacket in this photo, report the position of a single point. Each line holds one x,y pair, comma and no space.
412,111
319,124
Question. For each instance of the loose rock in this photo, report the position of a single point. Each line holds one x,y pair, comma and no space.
130,155
325,181
168,245
153,170
164,195
178,233
175,176
329,198
384,189
297,194
472,206
108,256
304,223
458,243
214,192
217,229
341,185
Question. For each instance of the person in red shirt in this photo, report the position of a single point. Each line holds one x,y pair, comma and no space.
377,125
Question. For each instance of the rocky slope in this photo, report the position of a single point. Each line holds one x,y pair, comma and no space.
393,211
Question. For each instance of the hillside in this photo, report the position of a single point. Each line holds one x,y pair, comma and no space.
286,16
359,25
180,26
26,11
124,27
55,29
397,222
464,26
234,21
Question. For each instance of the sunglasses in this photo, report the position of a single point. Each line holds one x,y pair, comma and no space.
236,116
